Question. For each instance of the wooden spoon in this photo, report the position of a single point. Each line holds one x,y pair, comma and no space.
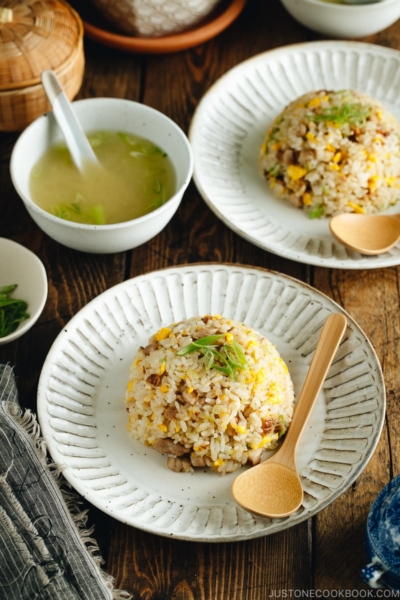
273,488
367,234
77,142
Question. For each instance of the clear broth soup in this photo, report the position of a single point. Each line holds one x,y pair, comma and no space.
135,177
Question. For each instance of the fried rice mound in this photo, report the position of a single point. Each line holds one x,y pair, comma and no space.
209,392
332,152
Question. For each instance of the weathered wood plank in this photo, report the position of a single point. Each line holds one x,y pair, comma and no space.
372,299
153,567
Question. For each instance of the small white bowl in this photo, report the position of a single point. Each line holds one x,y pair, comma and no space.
344,20
112,114
21,266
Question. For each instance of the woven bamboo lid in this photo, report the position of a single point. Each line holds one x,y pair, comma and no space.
35,35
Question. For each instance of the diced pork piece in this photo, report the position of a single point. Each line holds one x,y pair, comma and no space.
179,464
204,332
168,446
154,379
170,413
287,157
267,425
150,348
230,431
306,156
302,130
255,456
295,201
324,155
190,397
198,461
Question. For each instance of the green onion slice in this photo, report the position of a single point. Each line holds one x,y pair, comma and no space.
226,358
12,311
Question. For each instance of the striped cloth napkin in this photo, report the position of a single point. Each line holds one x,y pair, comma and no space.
44,554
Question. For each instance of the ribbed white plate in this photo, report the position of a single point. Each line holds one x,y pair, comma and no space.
229,126
83,417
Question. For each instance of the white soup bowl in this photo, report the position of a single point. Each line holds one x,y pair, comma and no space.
112,114
344,20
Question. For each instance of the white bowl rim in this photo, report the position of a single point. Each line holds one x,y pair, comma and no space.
350,7
109,226
28,323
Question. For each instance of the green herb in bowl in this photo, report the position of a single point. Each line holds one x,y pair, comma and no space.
12,310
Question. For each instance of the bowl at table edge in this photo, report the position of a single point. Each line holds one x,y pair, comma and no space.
344,20
155,18
21,266
381,542
106,114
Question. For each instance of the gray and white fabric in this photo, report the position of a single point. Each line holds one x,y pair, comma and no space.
43,554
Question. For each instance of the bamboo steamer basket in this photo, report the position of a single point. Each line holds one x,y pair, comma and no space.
36,35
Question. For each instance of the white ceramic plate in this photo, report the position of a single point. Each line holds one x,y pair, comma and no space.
228,129
83,417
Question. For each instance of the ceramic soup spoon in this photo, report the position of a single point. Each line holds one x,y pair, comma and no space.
76,140
367,234
273,488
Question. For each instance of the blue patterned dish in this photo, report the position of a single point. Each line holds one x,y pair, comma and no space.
382,539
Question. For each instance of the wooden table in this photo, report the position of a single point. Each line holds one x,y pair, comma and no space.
324,553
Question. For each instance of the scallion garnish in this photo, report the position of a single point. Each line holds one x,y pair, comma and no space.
226,358
316,212
78,212
352,113
12,311
141,148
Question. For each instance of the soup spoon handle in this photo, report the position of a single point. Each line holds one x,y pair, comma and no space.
77,142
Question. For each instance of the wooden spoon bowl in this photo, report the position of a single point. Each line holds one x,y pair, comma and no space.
273,488
367,234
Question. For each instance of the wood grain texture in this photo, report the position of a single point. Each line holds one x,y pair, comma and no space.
373,300
163,568
325,553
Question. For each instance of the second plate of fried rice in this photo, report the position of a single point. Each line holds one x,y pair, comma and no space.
325,116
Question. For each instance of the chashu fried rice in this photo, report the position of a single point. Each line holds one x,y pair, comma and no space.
209,392
334,152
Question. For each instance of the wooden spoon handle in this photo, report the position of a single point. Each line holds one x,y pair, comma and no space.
328,343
